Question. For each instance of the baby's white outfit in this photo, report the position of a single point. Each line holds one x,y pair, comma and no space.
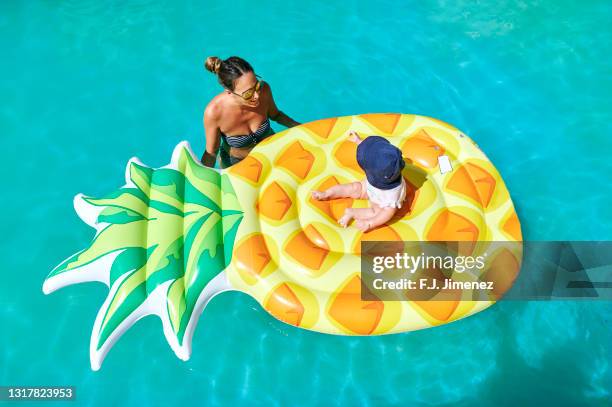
386,198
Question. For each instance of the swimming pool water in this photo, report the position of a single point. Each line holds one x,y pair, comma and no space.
86,85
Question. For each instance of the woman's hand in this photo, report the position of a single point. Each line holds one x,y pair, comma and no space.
208,159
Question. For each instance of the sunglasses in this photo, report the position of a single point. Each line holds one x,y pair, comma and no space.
248,94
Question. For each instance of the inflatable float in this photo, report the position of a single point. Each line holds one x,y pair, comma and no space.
173,237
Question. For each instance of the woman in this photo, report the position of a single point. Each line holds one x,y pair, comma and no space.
238,118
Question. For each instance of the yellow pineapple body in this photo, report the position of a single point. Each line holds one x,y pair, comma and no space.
302,267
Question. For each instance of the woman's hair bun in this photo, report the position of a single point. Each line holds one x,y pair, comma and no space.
213,64
228,70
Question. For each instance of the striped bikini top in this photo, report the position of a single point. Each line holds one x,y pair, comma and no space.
249,140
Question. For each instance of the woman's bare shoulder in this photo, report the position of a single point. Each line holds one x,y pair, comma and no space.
215,107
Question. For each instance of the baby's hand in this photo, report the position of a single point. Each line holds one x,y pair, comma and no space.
354,137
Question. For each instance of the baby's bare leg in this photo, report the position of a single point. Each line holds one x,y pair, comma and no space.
363,213
355,213
381,216
351,190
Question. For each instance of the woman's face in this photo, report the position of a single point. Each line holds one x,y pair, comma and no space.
243,84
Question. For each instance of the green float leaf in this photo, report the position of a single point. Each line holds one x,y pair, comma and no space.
170,229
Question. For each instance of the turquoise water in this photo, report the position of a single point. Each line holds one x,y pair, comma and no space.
85,86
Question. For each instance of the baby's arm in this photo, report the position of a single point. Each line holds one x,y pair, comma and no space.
380,217
354,137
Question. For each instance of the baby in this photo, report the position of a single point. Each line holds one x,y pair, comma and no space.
384,185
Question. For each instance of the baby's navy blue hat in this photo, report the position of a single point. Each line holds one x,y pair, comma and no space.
381,161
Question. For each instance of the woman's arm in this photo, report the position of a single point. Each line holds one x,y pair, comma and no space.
283,119
275,114
211,130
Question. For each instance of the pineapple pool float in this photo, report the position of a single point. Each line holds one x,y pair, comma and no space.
173,237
